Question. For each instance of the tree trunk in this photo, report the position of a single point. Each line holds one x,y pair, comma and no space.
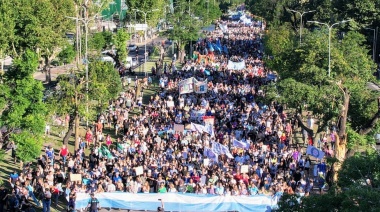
76,130
341,136
69,131
47,69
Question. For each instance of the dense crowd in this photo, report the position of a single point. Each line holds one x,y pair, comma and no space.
250,130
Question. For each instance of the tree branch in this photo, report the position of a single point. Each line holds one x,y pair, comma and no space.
303,126
371,124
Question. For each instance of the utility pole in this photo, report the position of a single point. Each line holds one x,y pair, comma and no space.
301,23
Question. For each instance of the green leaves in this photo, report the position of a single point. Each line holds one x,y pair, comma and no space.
28,146
23,107
105,83
120,40
304,73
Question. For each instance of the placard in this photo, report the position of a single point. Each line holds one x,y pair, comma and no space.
179,127
244,169
75,177
206,162
139,170
170,104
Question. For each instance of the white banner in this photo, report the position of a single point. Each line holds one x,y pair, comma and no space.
178,202
236,65
186,86
200,86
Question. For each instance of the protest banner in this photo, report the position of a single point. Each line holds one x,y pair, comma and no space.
186,86
236,65
200,86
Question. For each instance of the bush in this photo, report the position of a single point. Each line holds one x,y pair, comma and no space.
67,55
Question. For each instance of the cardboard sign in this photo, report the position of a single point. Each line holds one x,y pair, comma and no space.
244,169
179,127
139,170
170,104
206,162
75,177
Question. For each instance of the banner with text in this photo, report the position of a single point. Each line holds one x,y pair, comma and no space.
186,86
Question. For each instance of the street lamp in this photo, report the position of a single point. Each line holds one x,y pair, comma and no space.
301,23
145,53
85,21
330,28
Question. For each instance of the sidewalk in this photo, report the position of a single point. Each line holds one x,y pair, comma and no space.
54,71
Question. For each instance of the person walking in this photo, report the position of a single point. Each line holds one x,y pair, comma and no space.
46,202
93,204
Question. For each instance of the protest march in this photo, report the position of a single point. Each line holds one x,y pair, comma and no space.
207,140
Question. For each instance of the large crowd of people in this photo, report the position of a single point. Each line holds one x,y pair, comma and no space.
146,153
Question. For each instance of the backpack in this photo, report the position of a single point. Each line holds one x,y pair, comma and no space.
14,202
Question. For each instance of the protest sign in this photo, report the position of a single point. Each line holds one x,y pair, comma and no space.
75,177
200,86
244,169
186,86
139,170
206,162
179,127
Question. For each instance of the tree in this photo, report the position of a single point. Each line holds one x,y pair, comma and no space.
40,25
146,6
185,29
23,111
120,41
67,55
69,98
105,83
340,98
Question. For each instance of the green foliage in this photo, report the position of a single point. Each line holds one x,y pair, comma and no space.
39,25
67,55
120,40
23,106
97,41
100,40
105,83
357,169
208,11
146,6
288,203
362,11
25,109
304,75
352,192
28,146
156,51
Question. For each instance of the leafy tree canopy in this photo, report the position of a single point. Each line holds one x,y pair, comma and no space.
304,73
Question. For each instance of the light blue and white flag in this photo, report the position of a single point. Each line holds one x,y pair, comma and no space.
313,151
240,144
